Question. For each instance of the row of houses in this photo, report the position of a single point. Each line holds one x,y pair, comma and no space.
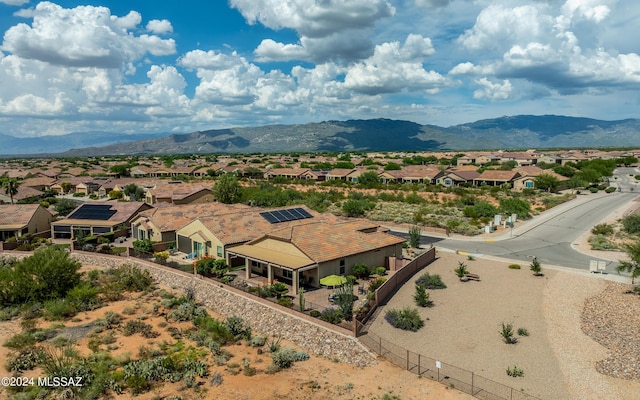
295,245
519,178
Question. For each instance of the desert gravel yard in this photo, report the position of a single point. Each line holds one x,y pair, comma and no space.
463,328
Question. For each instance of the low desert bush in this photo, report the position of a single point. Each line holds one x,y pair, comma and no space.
407,319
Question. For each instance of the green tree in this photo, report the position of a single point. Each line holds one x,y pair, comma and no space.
508,165
369,180
632,266
515,206
414,236
546,182
64,206
391,166
66,187
10,186
120,169
48,274
134,192
536,267
355,208
143,246
421,297
116,194
227,189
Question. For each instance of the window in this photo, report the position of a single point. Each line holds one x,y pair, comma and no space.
528,184
447,182
219,251
141,234
342,270
287,274
343,262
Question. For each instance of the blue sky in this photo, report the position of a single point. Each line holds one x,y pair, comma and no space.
165,66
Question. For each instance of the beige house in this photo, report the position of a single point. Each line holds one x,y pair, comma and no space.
528,175
214,233
457,177
492,177
159,224
20,219
301,255
179,193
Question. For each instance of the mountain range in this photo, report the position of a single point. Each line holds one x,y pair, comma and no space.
515,132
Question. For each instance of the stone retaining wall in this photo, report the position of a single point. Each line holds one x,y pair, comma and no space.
263,319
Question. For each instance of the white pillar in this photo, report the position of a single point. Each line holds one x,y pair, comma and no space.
247,269
269,274
295,282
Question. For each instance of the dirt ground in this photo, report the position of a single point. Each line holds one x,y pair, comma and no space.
316,378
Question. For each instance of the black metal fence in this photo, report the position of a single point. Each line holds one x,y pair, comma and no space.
458,378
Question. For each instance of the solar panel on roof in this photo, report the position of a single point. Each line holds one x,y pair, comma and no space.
289,214
101,212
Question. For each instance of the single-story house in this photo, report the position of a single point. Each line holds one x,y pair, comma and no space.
96,218
303,254
214,233
20,219
496,178
457,177
179,193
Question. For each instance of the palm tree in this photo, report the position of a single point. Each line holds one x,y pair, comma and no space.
633,266
10,186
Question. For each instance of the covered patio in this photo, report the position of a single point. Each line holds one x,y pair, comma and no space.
293,270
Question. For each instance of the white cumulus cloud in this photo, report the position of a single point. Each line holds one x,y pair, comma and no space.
85,36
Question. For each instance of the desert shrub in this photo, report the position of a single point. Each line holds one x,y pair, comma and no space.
8,313
380,271
280,289
631,223
285,357
407,319
601,242
144,329
20,341
84,297
514,266
602,229
593,189
361,271
227,278
536,267
523,332
238,327
217,330
274,344
285,302
376,284
332,315
258,341
610,189
480,209
507,333
431,282
187,311
131,278
27,359
58,309
515,371
314,313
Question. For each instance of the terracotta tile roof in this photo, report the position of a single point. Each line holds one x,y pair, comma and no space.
240,227
495,175
17,215
415,172
465,174
172,218
177,191
322,241
341,172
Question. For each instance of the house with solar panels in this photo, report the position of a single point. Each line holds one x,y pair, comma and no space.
212,234
95,218
295,245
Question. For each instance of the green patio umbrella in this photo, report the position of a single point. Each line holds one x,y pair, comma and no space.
333,280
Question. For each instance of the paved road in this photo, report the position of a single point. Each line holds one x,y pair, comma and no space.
550,240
